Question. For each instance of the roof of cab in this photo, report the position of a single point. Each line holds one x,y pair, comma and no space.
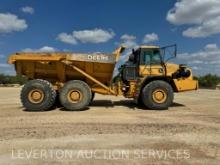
149,46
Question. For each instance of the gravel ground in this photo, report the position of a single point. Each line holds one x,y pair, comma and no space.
112,131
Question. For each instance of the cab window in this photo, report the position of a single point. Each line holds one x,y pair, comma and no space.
151,57
156,58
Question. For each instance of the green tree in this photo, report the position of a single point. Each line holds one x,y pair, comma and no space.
208,81
18,79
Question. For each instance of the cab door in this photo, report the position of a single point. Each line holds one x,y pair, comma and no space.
150,63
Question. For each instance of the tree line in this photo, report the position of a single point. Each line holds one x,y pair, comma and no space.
206,81
7,79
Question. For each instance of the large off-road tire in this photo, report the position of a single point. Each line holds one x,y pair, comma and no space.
75,95
157,95
38,95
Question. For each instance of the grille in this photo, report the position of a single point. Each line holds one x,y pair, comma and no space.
130,73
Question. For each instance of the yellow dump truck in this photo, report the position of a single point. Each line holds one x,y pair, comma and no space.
75,78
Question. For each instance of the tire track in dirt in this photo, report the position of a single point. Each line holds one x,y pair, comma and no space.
57,130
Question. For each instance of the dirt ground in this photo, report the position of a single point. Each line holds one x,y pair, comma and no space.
112,131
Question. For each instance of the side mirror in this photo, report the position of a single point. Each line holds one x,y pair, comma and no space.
132,51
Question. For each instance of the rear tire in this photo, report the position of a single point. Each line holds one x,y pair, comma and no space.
157,95
38,95
75,95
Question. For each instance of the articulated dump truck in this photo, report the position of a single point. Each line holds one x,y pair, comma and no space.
74,78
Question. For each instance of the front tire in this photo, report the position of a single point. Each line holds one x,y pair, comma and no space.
38,95
75,95
157,95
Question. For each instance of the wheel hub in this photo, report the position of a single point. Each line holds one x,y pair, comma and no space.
159,96
36,96
74,96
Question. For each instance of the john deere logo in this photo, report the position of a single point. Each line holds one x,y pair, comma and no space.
102,58
98,57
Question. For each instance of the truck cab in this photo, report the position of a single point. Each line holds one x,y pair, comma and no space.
143,61
147,71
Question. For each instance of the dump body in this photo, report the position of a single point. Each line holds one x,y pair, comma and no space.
53,66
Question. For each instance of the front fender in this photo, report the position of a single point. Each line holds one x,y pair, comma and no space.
185,84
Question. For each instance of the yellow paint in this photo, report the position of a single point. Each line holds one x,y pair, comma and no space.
185,84
118,52
132,88
92,79
182,84
154,70
36,96
35,56
171,68
158,70
159,96
149,47
74,96
100,90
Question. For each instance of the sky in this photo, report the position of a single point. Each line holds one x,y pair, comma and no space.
103,25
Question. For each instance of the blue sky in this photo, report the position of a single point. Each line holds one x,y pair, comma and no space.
102,25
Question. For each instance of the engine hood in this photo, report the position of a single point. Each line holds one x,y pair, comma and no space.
171,68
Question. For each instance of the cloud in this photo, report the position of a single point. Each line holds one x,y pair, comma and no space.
150,38
86,36
209,54
211,47
93,36
27,9
46,49
207,28
203,17
10,22
206,60
67,38
128,37
128,41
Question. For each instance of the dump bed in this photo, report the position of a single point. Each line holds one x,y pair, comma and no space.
53,66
